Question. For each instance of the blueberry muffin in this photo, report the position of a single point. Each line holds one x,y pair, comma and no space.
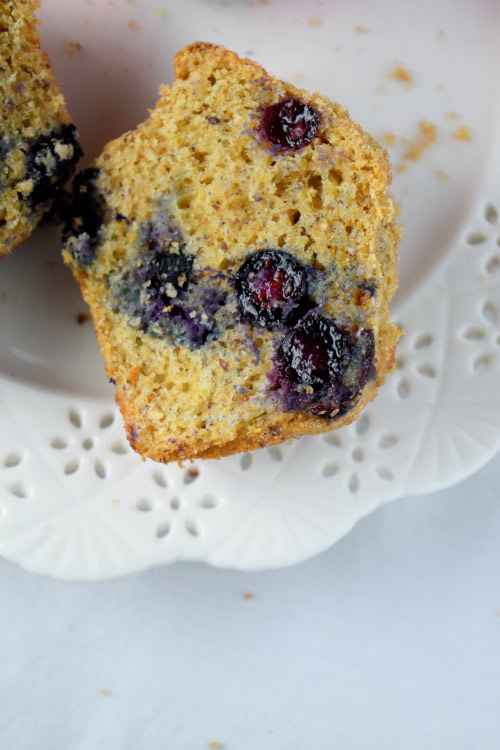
238,255
38,142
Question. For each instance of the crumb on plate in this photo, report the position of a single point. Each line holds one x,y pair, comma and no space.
72,47
425,137
401,74
389,139
462,134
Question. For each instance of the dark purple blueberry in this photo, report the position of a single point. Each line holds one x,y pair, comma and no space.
321,368
289,124
85,217
271,288
314,353
48,164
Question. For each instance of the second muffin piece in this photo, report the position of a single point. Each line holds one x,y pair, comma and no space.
238,255
38,142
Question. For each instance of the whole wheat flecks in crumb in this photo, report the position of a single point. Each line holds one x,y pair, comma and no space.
238,255
38,142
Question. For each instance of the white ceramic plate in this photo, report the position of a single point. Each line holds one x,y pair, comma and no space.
75,503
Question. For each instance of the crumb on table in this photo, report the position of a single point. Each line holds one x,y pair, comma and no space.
132,25
361,29
389,139
247,595
104,691
160,13
401,74
451,115
400,168
82,318
314,22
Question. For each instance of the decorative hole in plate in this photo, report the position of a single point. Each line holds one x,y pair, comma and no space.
175,503
473,334
330,469
421,342
100,469
388,441
71,466
58,443
333,439
191,475
362,424
12,459
120,448
476,238
427,371
144,505
163,529
246,460
19,489
353,483
209,501
192,528
357,455
106,420
385,473
159,479
491,214
75,418
493,265
403,389
490,312
88,444
480,364
275,453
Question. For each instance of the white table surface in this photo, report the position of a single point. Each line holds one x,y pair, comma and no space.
391,639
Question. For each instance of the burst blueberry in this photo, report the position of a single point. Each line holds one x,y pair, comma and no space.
289,124
271,288
84,223
165,266
321,368
50,161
